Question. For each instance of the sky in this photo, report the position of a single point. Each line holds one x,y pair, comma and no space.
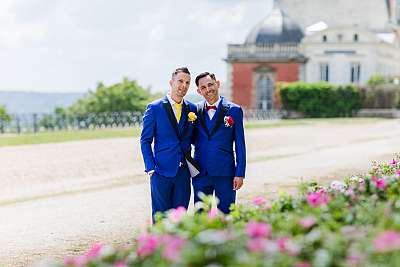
71,45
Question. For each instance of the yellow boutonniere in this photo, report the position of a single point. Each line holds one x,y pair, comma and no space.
192,117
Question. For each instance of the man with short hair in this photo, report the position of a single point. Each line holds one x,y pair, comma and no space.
167,125
220,128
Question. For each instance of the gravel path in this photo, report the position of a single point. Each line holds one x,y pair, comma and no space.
57,199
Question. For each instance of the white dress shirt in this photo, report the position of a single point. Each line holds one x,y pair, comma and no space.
211,112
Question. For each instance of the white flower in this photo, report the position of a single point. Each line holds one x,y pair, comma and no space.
356,179
338,186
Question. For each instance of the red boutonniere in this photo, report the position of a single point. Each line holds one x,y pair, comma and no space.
228,121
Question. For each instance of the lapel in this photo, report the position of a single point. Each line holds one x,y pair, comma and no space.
202,118
170,114
183,123
220,114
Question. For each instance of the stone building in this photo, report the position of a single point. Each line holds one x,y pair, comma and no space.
337,41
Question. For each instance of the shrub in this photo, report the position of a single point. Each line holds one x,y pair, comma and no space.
350,223
320,99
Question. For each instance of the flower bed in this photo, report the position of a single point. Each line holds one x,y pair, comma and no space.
354,223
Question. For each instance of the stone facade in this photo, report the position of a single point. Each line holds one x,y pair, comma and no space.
334,47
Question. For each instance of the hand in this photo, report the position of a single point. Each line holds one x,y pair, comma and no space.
237,182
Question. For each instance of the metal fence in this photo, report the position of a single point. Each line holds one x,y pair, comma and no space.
23,123
33,123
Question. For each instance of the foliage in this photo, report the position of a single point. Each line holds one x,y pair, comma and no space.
4,116
320,99
350,223
127,95
377,79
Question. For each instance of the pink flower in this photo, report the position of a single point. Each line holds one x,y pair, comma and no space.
286,245
354,260
94,252
307,222
177,214
212,213
302,264
258,229
71,261
387,241
398,172
318,198
120,264
256,244
259,201
147,244
380,183
172,247
394,162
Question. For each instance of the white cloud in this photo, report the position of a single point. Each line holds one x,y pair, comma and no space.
70,45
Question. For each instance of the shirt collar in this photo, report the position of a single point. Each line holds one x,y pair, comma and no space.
171,101
215,104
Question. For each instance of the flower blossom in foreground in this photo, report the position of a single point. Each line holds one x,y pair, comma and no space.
172,247
258,229
261,202
318,198
387,241
394,162
338,186
256,244
302,264
379,183
95,251
147,244
177,214
354,260
285,244
307,222
212,213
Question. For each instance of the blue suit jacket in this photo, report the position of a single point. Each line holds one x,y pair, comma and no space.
214,141
168,150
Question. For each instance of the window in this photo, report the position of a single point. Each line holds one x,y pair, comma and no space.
265,88
355,70
355,37
324,72
398,11
324,38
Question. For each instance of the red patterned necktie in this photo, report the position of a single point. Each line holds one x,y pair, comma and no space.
211,107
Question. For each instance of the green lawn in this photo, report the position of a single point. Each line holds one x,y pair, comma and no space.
75,135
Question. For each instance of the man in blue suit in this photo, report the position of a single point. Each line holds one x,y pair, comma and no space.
168,124
220,128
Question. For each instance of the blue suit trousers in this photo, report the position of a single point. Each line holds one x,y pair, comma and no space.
170,192
222,186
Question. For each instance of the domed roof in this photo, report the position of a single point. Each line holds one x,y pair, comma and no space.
277,27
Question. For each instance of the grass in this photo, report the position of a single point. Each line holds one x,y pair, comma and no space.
65,136
76,135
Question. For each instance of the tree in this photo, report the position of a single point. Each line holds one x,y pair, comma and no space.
127,95
4,116
377,79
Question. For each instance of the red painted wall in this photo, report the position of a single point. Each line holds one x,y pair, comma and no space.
242,79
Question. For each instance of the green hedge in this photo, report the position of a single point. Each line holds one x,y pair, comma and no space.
315,100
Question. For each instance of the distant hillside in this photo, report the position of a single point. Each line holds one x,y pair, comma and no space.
36,102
